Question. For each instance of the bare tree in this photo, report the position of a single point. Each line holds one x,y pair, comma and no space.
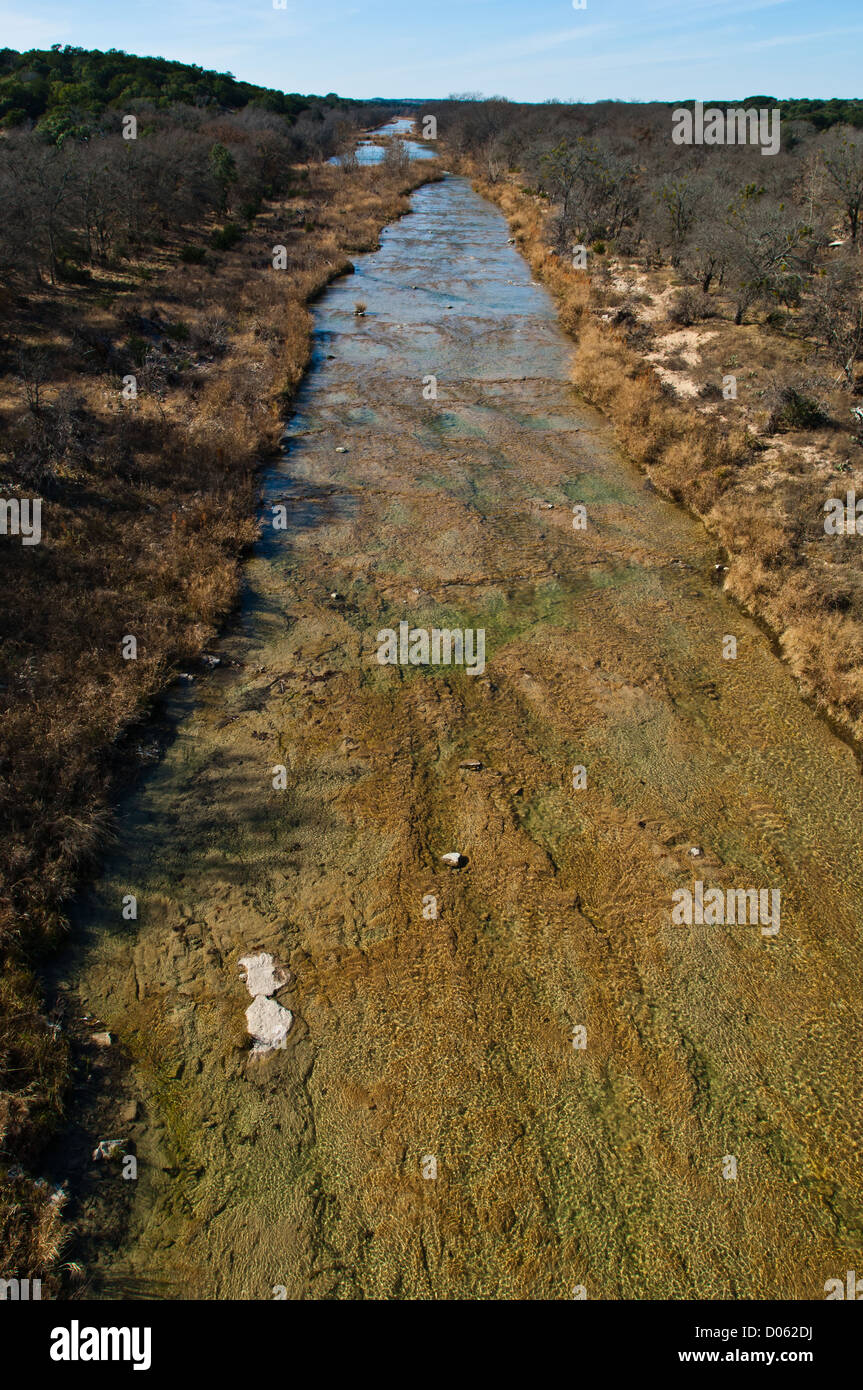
834,315
766,242
844,164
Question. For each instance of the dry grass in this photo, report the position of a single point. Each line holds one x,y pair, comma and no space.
148,508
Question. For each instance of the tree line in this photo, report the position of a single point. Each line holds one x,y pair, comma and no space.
66,87
101,196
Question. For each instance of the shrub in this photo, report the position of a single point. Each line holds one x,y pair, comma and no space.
690,306
71,274
794,406
137,349
193,255
224,238
211,333
625,313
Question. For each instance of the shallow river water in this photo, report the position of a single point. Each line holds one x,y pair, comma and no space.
368,152
550,1085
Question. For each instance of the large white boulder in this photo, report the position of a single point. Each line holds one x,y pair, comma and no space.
268,1024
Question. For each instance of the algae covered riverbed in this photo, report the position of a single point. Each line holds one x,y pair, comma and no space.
519,1077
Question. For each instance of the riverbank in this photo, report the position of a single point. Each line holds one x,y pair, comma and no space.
758,479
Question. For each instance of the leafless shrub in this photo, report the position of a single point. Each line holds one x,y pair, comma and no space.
691,306
210,333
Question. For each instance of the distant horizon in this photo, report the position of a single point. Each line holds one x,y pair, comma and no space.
474,96
630,51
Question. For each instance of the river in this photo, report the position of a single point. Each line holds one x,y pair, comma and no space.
549,1086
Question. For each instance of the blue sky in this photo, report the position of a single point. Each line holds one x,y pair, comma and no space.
527,50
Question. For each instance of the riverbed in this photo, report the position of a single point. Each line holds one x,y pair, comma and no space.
580,1069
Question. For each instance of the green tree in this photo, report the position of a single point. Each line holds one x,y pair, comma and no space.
223,167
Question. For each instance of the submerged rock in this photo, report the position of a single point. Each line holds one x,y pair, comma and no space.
262,974
268,1024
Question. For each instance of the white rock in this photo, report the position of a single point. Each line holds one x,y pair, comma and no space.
453,859
261,975
268,1024
109,1148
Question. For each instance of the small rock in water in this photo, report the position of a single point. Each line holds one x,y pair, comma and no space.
454,859
268,1024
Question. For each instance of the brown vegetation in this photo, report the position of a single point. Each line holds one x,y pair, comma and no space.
147,506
